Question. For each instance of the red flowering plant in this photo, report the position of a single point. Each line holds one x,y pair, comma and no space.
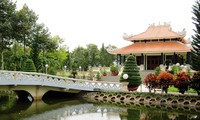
182,81
195,82
165,79
150,81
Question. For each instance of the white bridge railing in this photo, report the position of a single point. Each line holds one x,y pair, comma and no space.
30,78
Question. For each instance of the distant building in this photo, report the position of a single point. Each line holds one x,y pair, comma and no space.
155,46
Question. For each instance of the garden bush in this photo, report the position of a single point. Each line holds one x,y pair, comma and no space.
165,79
150,81
29,66
195,82
182,82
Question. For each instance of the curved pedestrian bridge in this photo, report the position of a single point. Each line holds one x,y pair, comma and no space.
37,84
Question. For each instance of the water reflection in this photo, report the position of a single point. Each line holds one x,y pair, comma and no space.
82,110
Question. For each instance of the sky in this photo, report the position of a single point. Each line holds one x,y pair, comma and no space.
81,22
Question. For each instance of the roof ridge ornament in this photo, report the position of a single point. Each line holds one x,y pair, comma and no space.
126,36
183,32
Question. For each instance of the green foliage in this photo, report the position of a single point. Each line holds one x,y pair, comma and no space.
79,55
175,69
106,59
195,56
98,76
93,55
26,20
173,89
131,69
157,70
7,11
104,72
52,71
40,40
74,73
114,68
29,66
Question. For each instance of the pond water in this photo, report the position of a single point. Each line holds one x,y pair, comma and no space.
74,109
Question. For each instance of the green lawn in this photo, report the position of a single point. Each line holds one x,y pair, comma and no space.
173,89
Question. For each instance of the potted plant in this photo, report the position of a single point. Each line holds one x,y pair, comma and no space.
165,79
114,70
98,77
182,82
104,73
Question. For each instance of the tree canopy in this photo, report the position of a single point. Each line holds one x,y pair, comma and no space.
195,54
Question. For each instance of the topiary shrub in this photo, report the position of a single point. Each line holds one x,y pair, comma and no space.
29,66
150,81
165,79
195,82
182,82
132,71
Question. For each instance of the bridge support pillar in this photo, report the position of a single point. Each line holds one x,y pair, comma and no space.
37,92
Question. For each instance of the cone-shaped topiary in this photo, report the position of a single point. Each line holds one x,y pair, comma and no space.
29,66
132,71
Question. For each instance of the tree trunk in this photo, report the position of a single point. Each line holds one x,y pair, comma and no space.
15,52
24,45
2,60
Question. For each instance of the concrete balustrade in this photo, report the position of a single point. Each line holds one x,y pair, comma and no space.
37,84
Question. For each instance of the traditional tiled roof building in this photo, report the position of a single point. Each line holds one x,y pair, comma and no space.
155,46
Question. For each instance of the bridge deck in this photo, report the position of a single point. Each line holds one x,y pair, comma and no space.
28,78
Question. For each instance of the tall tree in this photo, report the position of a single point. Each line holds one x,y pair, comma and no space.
26,21
93,54
195,54
40,38
110,58
7,11
79,55
102,55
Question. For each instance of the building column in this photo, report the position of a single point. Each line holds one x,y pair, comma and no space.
120,59
124,58
145,62
142,56
162,58
182,60
174,58
117,59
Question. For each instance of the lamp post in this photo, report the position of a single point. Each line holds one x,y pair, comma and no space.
46,66
65,67
125,76
80,68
